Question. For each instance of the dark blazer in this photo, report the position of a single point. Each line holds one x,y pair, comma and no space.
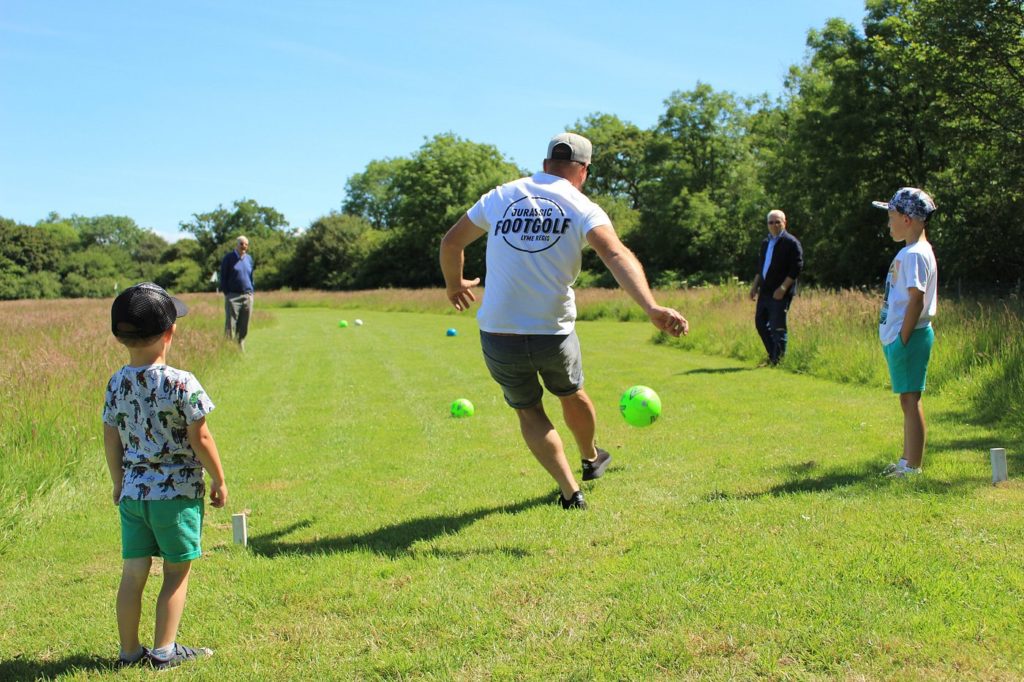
787,261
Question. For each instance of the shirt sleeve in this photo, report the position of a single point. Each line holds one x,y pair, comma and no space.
914,272
108,402
478,213
596,218
225,273
194,404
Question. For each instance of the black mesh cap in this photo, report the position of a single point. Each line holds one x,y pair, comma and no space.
144,310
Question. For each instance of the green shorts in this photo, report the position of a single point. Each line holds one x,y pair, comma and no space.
908,365
171,529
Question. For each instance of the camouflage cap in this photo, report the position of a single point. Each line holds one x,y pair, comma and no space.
909,201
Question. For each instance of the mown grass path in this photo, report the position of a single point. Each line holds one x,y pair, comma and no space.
746,534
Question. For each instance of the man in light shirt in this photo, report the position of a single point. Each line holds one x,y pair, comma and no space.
536,229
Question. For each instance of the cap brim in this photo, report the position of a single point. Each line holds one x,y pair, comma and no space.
179,308
884,205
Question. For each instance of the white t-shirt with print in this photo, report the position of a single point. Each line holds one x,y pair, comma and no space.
913,267
151,407
536,230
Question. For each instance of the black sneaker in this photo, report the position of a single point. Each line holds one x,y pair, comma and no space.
180,654
595,469
574,502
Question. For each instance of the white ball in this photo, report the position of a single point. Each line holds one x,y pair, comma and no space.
359,323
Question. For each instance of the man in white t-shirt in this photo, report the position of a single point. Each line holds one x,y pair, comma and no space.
905,324
536,230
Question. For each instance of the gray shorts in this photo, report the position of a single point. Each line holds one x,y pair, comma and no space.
516,361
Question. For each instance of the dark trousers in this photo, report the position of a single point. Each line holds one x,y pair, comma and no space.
770,319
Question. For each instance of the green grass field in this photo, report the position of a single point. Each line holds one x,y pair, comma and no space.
744,535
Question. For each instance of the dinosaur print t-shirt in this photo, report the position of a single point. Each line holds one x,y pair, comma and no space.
151,407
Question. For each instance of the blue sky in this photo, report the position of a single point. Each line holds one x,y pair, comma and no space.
157,111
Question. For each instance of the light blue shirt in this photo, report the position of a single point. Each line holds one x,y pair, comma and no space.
768,253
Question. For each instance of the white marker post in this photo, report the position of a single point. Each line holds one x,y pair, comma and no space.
241,529
998,456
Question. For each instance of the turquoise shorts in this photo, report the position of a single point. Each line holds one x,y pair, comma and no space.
908,365
171,529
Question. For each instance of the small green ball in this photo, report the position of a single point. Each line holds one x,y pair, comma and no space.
640,406
462,408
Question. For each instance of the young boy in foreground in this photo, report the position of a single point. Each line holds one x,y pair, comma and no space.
157,445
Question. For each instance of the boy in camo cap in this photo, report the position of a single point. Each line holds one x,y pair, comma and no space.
905,325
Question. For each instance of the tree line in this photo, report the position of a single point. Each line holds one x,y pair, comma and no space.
928,93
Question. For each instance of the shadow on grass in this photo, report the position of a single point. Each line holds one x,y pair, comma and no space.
719,370
20,669
864,479
396,539
826,482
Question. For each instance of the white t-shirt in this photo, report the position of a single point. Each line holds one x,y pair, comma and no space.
537,229
913,267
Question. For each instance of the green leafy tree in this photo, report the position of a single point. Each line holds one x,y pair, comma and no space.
181,275
135,250
36,249
973,52
701,197
858,126
93,272
373,195
107,230
179,268
11,275
16,282
619,169
433,188
270,239
273,255
332,252
150,248
929,95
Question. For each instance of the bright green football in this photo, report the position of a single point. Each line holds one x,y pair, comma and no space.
462,408
640,406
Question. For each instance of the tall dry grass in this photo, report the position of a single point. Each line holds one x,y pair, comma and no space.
55,360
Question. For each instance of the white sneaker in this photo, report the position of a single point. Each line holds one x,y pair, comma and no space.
891,468
900,470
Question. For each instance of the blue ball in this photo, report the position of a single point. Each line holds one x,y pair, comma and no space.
451,332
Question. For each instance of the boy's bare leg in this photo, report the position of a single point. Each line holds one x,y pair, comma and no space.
129,602
546,445
581,418
171,603
913,428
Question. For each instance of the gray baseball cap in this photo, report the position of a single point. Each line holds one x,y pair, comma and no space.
570,147
909,201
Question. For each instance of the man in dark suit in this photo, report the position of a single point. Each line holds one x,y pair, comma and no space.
781,261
